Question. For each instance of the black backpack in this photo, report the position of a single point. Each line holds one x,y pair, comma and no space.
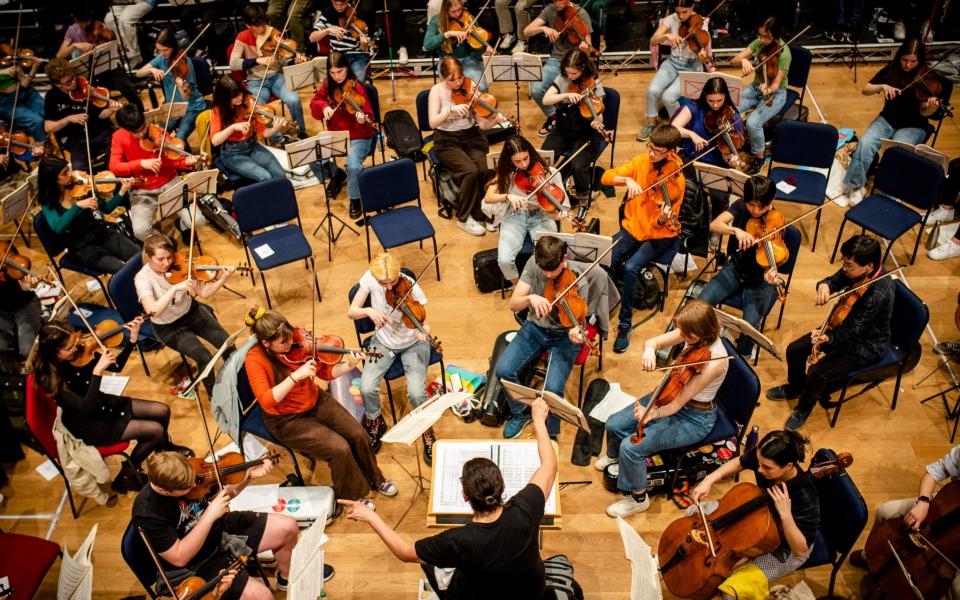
403,135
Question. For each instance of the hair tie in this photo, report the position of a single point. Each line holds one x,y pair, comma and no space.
256,317
490,500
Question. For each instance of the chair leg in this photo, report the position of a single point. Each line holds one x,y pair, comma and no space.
916,246
600,358
836,244
73,506
836,413
896,389
443,375
816,233
316,284
266,291
296,466
580,388
106,295
886,253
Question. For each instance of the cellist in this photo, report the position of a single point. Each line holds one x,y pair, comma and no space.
856,341
683,421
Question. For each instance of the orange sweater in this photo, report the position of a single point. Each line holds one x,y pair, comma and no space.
300,399
640,213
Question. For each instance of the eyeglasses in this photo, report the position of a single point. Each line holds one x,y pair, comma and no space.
655,150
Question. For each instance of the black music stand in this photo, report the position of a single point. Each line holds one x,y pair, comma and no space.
515,68
101,59
14,204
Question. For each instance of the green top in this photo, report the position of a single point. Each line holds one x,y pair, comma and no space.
783,62
433,39
59,218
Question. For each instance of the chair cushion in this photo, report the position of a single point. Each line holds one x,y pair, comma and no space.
792,96
811,185
883,216
113,448
288,244
890,357
25,560
401,226
723,429
821,555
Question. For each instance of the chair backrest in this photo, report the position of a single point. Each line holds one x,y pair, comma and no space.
265,203
137,557
806,144
244,391
843,511
201,70
53,244
41,412
792,239
374,97
611,109
385,185
363,326
909,177
800,60
910,317
740,390
123,290
423,111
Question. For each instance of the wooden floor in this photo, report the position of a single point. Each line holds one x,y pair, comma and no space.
889,448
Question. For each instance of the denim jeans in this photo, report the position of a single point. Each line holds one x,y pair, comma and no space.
513,230
29,111
868,146
538,89
756,302
531,341
273,84
473,68
684,428
415,360
630,256
750,96
358,63
251,160
665,84
186,124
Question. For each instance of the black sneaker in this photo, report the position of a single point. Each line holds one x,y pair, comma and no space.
375,429
355,209
171,447
428,438
857,559
782,392
327,572
336,183
622,342
282,583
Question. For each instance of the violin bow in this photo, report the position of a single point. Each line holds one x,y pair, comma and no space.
903,568
574,283
695,363
187,49
417,278
862,285
781,47
920,77
86,323
575,14
547,179
156,561
16,66
172,99
273,58
473,22
486,62
344,99
704,17
26,211
193,233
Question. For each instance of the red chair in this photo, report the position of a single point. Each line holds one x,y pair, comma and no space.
25,560
41,412
241,78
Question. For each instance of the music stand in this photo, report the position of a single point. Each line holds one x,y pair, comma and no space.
305,74
515,68
582,246
14,205
692,82
103,58
159,114
721,179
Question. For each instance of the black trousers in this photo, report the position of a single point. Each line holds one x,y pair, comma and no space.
825,376
464,154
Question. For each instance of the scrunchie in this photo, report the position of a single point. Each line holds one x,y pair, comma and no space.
251,320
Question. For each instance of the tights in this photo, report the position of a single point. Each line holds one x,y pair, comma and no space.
149,427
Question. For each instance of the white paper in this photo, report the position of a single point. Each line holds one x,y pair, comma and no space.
256,497
76,572
115,384
93,285
645,576
86,313
264,251
4,584
615,400
306,563
47,470
409,428
252,448
785,187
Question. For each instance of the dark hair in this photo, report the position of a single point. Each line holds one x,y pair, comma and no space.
772,26
167,38
911,45
576,58
783,447
759,188
665,136
483,484
862,249
450,66
337,60
130,117
48,190
254,15
58,69
683,4
270,325
714,85
44,362
505,166
224,91
549,252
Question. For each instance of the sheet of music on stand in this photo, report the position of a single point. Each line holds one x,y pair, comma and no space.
518,460
409,428
76,572
645,576
306,563
582,246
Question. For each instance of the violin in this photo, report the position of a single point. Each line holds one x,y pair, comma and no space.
109,334
772,251
327,349
731,141
550,196
838,313
570,308
99,96
180,71
103,183
284,48
16,266
98,33
414,314
697,553
924,551
23,58
263,116
484,104
195,588
355,26
351,98
173,148
478,38
591,106
697,39
20,144
674,381
577,31
928,86
231,467
204,268
770,57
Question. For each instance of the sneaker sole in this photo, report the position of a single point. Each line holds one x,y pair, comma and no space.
513,437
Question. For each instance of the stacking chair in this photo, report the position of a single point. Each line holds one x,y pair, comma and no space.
800,60
135,554
374,96
54,246
25,560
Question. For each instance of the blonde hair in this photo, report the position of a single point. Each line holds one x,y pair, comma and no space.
170,471
696,317
385,267
158,241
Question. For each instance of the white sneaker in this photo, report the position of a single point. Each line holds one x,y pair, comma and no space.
604,462
842,200
899,31
944,214
387,488
626,506
519,47
855,196
490,226
402,57
508,40
471,227
948,249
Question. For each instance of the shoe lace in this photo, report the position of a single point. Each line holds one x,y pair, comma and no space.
428,437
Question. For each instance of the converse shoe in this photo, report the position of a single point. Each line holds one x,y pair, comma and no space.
428,439
402,56
375,427
281,582
856,196
368,503
604,462
628,505
489,226
515,425
644,134
387,488
948,249
797,419
622,342
944,214
519,47
471,227
507,41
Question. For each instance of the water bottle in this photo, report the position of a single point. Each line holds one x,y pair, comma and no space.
752,438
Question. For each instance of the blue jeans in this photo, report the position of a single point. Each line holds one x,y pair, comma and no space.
29,111
251,160
756,302
630,256
186,124
868,146
665,85
513,230
360,149
358,63
538,89
750,96
684,428
415,360
531,341
273,84
473,68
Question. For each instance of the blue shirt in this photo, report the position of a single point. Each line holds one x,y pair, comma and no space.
697,125
195,103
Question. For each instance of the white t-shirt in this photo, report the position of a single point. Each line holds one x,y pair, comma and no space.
672,21
453,123
150,283
708,393
394,334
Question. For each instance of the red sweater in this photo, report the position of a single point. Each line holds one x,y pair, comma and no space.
342,120
125,157
300,399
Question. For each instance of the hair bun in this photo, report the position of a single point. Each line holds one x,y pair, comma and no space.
254,315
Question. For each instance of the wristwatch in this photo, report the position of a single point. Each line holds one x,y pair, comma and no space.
923,499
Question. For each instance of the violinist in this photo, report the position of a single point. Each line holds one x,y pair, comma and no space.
304,416
277,17
702,119
20,314
649,227
576,123
341,115
681,421
178,319
236,136
78,219
97,418
186,533
15,86
665,85
346,39
905,114
767,95
742,275
180,84
522,216
459,144
448,34
946,212
395,340
775,462
914,510
856,340
541,331
554,16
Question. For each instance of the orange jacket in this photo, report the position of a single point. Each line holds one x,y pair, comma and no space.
640,213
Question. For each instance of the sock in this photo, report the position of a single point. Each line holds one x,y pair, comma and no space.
642,496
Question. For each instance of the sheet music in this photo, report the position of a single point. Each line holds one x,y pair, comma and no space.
114,384
582,246
256,497
409,428
306,563
557,405
76,572
645,576
614,401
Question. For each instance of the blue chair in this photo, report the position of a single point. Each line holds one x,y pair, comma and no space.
611,120
804,145
383,189
266,204
137,557
662,264
365,326
423,122
843,515
797,75
907,323
905,183
55,246
374,96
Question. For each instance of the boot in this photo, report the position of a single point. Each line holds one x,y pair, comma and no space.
428,438
375,427
171,447
355,208
127,480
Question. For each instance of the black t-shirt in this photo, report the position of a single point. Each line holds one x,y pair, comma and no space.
493,560
57,104
904,110
804,500
751,273
165,519
12,296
